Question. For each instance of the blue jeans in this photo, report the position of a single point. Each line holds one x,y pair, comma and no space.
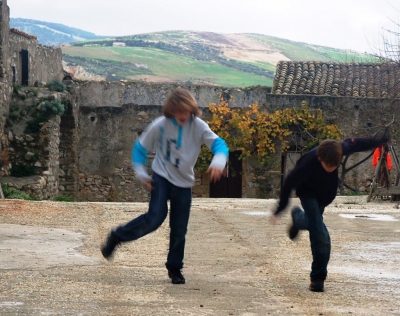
312,220
180,203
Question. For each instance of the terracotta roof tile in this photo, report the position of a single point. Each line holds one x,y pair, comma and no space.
367,80
16,31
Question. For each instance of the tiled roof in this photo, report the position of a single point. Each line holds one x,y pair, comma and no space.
16,31
369,80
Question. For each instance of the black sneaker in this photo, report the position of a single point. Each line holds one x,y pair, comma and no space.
316,286
293,231
176,276
108,247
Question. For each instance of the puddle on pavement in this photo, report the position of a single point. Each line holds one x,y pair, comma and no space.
257,213
375,217
372,262
24,246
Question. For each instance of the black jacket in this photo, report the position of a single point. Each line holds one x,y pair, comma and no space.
310,179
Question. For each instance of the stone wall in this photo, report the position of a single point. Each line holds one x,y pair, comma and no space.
111,114
118,94
4,38
87,153
36,153
106,136
5,73
41,151
68,173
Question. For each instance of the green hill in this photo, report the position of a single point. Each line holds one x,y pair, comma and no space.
230,60
237,60
51,34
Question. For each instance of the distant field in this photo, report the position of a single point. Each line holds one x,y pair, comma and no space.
307,52
228,60
293,50
157,63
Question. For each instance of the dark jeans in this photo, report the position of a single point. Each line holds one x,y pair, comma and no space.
312,220
180,202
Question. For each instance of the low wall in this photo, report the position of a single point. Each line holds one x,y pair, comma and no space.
112,114
119,94
87,154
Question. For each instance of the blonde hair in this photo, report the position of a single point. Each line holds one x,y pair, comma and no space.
180,100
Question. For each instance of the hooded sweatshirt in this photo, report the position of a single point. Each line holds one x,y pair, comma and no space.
177,148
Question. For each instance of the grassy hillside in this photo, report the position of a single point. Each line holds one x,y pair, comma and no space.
306,52
152,64
231,60
238,60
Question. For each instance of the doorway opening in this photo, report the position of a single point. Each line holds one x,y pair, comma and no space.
24,58
231,185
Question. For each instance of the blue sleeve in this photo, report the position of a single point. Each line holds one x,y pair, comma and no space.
139,154
219,147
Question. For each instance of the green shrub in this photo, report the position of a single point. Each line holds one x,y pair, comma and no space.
52,107
36,157
66,104
11,193
16,88
14,108
13,117
56,85
33,126
47,109
22,170
33,90
63,198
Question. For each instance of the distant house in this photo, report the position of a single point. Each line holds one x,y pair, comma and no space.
371,80
122,44
28,61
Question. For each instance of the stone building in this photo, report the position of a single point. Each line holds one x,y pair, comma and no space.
32,63
86,153
24,62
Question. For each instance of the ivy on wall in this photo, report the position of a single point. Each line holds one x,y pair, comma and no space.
266,134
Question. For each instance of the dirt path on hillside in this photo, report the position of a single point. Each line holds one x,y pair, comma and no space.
235,264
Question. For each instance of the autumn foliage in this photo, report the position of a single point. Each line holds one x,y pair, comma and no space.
267,134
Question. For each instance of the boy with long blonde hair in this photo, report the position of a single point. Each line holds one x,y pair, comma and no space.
177,138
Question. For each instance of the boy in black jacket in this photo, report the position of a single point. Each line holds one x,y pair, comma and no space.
315,179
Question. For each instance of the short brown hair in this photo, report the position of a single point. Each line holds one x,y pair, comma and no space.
180,99
330,152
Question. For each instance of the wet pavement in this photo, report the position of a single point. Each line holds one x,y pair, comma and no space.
236,263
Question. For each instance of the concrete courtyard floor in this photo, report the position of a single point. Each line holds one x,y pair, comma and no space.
236,263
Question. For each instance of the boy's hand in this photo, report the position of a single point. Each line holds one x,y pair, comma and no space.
215,173
147,185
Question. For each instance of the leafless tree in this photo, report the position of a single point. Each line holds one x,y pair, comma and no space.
389,46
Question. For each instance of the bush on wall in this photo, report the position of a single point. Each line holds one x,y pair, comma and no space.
56,85
263,134
46,110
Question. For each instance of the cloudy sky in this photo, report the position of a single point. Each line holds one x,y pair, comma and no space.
345,24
